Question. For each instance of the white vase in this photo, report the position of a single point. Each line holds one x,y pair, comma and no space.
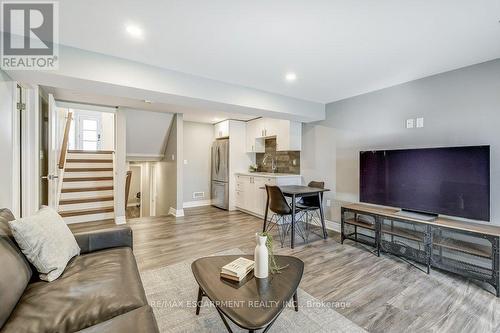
261,257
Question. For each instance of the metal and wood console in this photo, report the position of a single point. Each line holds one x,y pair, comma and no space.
467,249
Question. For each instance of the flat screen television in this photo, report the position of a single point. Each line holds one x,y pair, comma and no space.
452,181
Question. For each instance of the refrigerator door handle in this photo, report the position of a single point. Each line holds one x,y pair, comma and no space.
218,160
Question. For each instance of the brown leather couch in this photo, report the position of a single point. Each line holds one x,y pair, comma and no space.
100,290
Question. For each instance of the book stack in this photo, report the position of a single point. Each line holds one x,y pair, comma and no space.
237,269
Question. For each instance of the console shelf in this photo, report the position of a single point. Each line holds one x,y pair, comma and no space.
360,224
408,234
467,249
464,247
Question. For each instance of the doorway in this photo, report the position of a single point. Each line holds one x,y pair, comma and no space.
134,200
88,132
44,151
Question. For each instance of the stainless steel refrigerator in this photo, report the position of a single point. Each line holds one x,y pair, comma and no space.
220,173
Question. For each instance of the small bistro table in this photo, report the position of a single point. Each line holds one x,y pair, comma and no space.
299,191
253,303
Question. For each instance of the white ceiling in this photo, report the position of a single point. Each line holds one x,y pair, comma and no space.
337,48
189,114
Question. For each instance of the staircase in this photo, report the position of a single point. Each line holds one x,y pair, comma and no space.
87,187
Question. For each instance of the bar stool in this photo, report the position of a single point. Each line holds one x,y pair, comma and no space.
282,214
310,208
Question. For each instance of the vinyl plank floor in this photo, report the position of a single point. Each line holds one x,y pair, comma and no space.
380,294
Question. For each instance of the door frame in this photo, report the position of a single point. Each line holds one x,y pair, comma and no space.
25,150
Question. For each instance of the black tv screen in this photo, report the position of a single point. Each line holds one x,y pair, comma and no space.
452,181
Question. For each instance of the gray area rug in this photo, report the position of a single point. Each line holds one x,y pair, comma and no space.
172,293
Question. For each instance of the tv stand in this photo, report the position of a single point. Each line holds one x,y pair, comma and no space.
467,249
416,215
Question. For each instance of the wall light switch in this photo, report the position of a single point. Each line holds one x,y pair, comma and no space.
185,161
173,157
420,122
410,123
328,203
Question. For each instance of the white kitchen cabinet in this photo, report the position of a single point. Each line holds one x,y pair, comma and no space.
254,143
260,193
288,134
221,130
251,195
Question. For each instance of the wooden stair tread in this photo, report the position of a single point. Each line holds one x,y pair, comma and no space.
87,160
87,169
86,179
76,151
86,211
85,200
87,189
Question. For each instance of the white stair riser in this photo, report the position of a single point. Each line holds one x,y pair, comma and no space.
87,165
86,205
88,174
89,218
97,183
89,156
86,194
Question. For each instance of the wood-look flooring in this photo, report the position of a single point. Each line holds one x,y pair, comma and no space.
380,294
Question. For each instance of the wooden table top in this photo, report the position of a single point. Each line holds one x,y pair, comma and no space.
252,303
440,221
300,189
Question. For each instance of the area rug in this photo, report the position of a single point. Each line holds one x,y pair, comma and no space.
172,292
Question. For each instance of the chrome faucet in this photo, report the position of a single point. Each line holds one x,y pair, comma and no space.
273,163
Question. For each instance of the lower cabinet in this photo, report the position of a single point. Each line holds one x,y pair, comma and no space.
251,194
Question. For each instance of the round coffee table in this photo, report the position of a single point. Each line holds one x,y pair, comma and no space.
253,303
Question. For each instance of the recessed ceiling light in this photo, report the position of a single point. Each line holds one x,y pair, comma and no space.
134,31
216,120
291,76
147,101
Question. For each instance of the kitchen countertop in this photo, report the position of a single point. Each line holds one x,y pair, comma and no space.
267,174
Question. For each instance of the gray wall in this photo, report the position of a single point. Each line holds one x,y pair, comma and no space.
6,160
169,171
198,138
460,107
166,177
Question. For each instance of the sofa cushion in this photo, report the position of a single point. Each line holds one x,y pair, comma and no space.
15,271
46,241
95,287
139,320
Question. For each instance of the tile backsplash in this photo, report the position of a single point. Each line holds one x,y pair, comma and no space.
287,161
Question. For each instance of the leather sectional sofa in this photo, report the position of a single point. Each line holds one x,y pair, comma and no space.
100,290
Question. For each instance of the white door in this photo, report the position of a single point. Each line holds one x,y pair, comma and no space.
89,132
53,156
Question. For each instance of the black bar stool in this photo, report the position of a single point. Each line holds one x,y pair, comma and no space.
310,208
282,214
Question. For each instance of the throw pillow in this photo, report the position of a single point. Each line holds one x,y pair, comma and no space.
46,241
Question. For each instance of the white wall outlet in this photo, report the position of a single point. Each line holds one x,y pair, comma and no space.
410,123
420,122
328,202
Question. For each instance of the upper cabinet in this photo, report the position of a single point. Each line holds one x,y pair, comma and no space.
288,134
254,140
221,130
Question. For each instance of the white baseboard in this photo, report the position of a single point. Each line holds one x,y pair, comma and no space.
120,220
176,212
197,203
332,225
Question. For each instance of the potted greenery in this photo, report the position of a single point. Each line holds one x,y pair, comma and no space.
273,265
